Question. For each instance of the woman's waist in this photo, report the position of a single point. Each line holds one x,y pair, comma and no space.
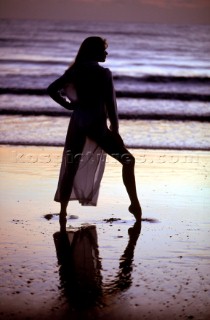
89,116
90,111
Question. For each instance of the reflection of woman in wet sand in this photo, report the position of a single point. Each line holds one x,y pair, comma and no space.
89,87
80,266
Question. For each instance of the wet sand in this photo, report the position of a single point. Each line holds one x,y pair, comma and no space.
160,270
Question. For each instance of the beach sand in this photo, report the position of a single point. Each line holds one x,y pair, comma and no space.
164,273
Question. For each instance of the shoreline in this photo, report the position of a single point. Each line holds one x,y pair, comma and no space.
157,135
166,274
152,148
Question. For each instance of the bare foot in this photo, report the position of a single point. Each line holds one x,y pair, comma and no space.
136,211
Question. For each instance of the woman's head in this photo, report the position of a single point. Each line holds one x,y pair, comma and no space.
92,49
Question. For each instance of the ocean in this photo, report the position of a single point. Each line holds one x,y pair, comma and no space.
161,75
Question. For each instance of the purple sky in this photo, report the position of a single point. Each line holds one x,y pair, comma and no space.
163,11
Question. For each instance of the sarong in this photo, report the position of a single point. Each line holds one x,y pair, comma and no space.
82,166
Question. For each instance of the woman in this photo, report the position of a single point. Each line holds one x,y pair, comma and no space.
89,88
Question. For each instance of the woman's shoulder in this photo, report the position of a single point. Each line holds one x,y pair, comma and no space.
100,71
106,72
91,69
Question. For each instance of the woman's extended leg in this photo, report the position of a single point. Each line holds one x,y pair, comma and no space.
62,216
74,144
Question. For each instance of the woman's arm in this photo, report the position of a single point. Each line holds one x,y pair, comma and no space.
54,91
111,103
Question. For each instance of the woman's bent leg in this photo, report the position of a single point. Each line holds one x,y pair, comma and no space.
112,144
130,184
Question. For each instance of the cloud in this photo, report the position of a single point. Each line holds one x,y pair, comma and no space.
177,3
96,1
154,3
157,11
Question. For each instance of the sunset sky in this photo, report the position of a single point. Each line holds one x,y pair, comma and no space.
157,11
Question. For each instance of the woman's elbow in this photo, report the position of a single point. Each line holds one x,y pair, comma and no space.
50,90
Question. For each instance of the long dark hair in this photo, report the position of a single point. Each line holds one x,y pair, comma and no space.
90,48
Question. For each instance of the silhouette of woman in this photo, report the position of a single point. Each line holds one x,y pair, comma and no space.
90,92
